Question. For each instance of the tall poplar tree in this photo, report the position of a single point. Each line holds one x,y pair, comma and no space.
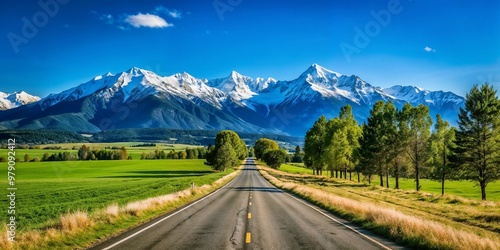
314,146
441,144
337,146
353,133
371,150
477,150
420,124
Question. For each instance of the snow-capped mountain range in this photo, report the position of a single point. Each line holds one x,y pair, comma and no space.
16,99
139,98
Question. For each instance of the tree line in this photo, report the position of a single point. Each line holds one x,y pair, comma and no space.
189,153
402,143
86,153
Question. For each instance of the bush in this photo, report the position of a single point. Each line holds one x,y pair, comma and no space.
275,158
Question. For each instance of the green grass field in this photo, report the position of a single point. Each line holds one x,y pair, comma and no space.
466,189
49,189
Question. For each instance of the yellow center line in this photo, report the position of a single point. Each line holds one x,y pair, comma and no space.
248,239
250,203
249,216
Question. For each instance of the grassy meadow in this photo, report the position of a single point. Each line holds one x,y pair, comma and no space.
47,190
465,189
72,204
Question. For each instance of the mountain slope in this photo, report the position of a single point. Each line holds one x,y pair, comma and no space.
139,98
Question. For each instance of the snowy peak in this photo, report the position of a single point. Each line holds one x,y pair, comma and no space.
317,80
235,85
135,71
261,84
235,102
316,83
406,92
16,99
318,75
135,84
415,95
317,70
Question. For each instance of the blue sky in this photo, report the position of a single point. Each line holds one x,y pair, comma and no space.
447,45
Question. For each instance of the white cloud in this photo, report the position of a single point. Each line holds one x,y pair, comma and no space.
172,13
147,20
175,14
153,19
429,49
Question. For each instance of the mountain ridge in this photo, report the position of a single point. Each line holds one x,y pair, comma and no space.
138,98
16,99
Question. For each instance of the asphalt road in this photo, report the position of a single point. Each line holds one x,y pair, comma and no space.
248,213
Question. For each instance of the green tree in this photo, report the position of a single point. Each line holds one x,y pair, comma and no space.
182,155
123,153
171,154
251,152
26,158
420,124
45,157
337,152
228,151
224,157
441,144
398,138
371,149
314,146
263,145
274,158
202,153
353,132
84,153
297,155
390,128
478,137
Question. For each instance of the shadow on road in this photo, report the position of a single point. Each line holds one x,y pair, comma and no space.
249,169
258,189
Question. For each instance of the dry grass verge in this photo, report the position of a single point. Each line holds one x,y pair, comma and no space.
414,231
73,225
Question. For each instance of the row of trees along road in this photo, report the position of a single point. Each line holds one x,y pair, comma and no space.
400,143
229,150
